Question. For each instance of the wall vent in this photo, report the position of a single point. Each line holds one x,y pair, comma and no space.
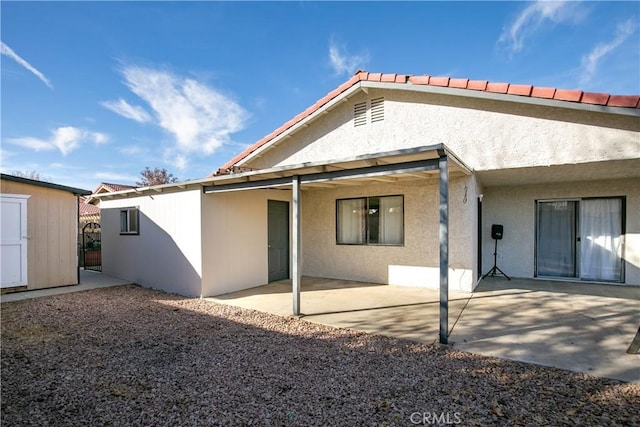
360,114
377,110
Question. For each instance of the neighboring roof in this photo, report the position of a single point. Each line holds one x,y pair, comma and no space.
110,188
515,90
75,191
85,208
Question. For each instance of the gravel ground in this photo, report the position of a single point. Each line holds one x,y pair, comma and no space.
133,356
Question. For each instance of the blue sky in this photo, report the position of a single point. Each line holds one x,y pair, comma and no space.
97,91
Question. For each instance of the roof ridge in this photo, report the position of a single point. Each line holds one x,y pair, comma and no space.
524,90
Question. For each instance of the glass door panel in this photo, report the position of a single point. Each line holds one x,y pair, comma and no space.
601,243
556,240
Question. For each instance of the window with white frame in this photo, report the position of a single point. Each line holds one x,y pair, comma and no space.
129,219
370,221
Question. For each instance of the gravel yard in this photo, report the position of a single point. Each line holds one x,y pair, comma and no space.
133,356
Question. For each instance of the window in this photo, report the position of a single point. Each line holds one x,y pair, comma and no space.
370,221
129,221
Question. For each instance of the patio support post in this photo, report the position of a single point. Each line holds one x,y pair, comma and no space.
444,246
295,245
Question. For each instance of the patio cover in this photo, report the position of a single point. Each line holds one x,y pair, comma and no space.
436,160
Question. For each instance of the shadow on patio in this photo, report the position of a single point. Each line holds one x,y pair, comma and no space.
402,312
574,326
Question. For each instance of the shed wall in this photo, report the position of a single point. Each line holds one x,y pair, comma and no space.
52,258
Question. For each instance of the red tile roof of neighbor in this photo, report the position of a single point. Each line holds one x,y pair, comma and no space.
114,187
85,208
604,99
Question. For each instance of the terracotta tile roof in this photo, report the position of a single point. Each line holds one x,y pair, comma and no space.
113,187
85,208
576,96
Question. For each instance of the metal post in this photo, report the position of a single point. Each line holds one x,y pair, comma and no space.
444,247
295,243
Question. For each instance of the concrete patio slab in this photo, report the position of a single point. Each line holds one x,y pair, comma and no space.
88,280
574,326
402,312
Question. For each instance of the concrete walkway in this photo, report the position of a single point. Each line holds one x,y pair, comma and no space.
88,280
574,326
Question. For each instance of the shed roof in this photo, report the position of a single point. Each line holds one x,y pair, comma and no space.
75,191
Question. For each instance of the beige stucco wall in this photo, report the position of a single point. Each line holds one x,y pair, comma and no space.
167,253
52,258
514,207
234,239
485,134
414,264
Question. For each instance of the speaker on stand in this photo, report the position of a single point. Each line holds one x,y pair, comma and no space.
497,230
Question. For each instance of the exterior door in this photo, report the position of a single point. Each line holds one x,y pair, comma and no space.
13,241
278,237
580,239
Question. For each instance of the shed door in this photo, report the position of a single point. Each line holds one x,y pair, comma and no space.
278,218
13,241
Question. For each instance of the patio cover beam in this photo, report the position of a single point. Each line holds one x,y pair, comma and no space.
443,166
343,174
372,171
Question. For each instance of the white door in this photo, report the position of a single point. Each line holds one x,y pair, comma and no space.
13,240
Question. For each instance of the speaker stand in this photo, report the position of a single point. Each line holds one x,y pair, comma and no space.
495,269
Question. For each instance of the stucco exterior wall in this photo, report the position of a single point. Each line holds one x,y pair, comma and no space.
414,264
235,239
52,258
167,253
514,207
485,134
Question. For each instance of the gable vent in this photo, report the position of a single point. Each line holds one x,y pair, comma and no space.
360,114
377,110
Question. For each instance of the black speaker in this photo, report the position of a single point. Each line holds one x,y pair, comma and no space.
496,231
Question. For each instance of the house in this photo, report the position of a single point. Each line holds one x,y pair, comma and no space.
39,234
401,180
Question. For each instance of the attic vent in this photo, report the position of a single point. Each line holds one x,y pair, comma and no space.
360,114
377,110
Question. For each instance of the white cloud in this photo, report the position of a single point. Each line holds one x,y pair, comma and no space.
115,177
591,61
66,139
133,150
342,62
534,16
127,110
6,50
199,118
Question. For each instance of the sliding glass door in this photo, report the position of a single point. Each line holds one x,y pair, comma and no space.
580,239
